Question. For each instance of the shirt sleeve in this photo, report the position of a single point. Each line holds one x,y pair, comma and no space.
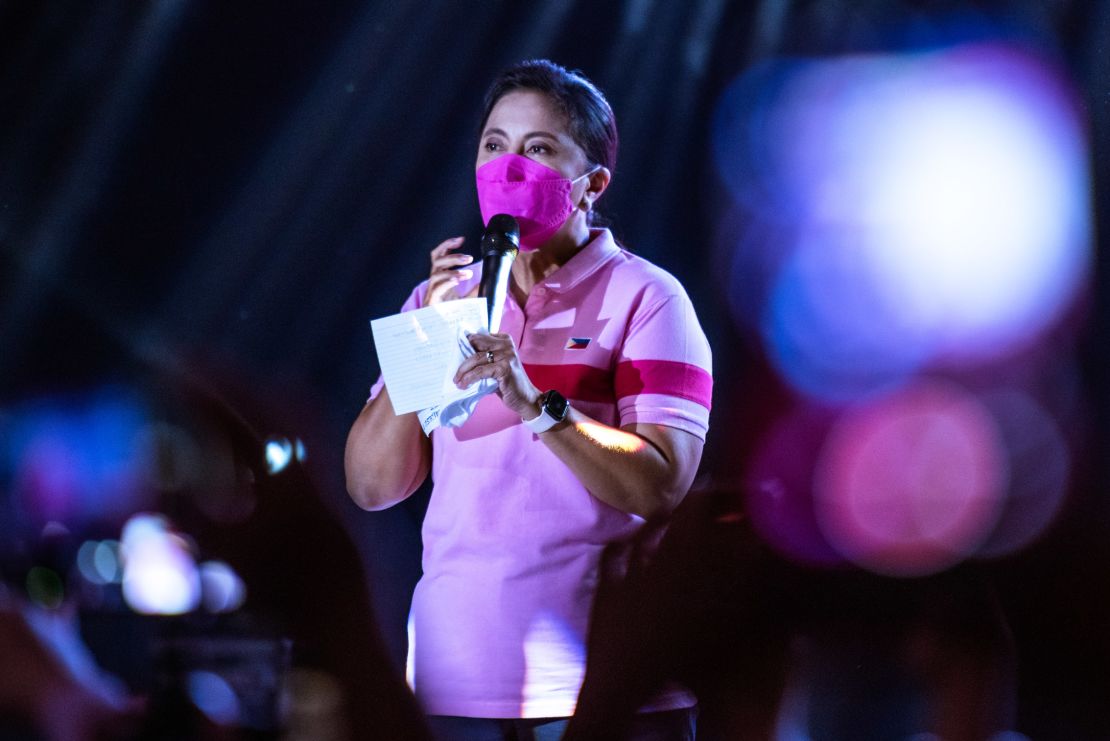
414,301
664,370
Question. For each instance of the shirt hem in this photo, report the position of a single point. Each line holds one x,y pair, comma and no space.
550,709
676,700
696,427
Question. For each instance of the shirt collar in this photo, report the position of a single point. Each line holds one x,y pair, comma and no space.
599,250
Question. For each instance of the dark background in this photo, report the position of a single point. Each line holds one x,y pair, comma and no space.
238,188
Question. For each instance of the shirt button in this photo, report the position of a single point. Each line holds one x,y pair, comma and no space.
539,290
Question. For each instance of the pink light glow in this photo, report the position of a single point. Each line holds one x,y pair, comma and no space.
911,483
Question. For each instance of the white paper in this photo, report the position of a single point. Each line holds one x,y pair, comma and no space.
419,351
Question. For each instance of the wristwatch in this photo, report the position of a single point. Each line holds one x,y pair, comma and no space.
553,410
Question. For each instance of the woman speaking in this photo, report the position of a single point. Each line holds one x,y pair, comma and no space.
602,405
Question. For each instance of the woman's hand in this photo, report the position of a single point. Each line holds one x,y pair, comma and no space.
446,274
496,358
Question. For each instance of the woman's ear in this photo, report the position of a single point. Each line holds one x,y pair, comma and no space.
596,184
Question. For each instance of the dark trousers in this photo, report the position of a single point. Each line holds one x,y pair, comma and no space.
668,725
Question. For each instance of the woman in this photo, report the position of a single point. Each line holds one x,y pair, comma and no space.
598,422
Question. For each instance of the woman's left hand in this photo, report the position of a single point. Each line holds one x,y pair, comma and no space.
496,357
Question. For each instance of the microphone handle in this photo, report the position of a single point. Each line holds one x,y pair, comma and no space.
495,284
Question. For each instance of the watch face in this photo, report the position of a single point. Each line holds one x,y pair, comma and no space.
555,405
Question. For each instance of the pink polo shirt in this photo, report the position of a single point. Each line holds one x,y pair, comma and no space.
512,539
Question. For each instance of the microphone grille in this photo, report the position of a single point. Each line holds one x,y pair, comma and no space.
502,234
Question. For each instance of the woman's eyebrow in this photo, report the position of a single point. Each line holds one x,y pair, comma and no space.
500,132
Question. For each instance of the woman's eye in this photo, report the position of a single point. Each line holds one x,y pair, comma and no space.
491,146
539,149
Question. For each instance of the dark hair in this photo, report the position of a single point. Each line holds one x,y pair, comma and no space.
592,124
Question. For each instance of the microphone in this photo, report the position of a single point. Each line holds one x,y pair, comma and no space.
500,243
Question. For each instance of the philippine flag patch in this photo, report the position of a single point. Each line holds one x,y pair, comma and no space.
578,343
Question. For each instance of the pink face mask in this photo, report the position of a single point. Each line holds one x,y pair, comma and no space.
536,195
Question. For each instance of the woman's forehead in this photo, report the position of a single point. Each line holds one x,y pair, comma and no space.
528,110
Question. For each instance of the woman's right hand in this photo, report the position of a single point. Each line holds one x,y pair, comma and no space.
446,274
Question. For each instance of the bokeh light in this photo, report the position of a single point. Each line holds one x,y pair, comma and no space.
222,589
975,186
45,587
312,703
826,325
99,563
106,561
86,563
160,575
908,211
214,696
76,460
911,483
279,452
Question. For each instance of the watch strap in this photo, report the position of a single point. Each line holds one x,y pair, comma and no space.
545,420
541,423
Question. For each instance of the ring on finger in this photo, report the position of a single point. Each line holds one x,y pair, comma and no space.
489,356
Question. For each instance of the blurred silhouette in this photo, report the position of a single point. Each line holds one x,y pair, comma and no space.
304,580
771,647
301,658
41,698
